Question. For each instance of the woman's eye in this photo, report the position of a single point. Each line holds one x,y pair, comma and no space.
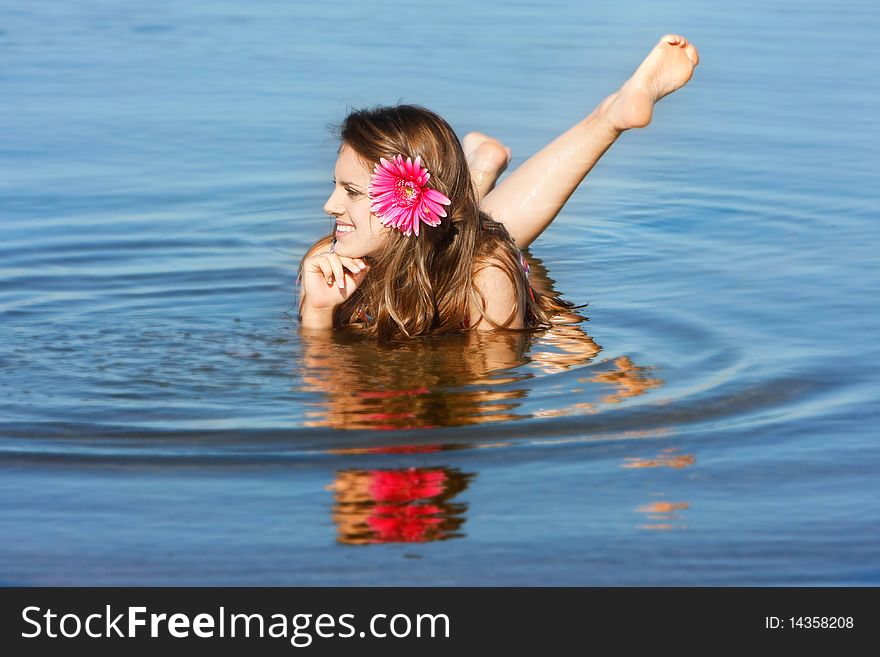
352,193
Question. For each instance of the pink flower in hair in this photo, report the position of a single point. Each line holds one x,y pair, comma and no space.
401,198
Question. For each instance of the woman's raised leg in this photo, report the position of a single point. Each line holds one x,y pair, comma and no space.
531,197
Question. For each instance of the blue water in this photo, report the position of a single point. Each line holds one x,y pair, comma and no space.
163,167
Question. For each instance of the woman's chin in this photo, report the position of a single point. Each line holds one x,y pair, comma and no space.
341,250
349,247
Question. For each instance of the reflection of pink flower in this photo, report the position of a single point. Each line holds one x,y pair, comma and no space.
387,416
406,485
405,524
401,198
398,514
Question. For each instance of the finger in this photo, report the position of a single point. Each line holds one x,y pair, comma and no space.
324,265
338,272
352,265
315,263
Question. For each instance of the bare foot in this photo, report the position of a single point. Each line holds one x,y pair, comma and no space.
487,159
666,68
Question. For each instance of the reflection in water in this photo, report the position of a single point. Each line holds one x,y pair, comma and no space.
411,505
628,380
562,347
664,513
452,380
442,381
666,459
395,449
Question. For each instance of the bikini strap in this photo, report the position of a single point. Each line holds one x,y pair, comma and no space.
525,264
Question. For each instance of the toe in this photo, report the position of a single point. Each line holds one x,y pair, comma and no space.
692,54
671,39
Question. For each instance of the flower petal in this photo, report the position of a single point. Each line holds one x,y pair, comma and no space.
399,195
437,197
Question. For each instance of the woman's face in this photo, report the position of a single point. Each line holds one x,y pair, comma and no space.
358,231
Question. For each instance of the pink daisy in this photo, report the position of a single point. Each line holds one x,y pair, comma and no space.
401,198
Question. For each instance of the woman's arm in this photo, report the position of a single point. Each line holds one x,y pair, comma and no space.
326,281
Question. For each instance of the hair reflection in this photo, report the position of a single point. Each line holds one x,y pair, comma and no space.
411,505
627,379
453,379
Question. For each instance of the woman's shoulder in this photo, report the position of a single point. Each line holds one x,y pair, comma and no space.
497,293
497,259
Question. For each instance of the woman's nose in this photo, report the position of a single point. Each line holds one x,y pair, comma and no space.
332,206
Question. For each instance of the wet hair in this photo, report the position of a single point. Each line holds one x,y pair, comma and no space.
423,285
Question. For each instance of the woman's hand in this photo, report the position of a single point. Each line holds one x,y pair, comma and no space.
328,279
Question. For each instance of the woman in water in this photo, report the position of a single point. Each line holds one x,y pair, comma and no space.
423,244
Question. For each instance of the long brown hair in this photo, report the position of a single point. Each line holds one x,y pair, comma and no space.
422,285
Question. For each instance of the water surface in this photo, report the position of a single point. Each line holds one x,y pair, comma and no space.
710,419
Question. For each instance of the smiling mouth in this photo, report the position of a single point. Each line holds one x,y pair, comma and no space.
344,228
